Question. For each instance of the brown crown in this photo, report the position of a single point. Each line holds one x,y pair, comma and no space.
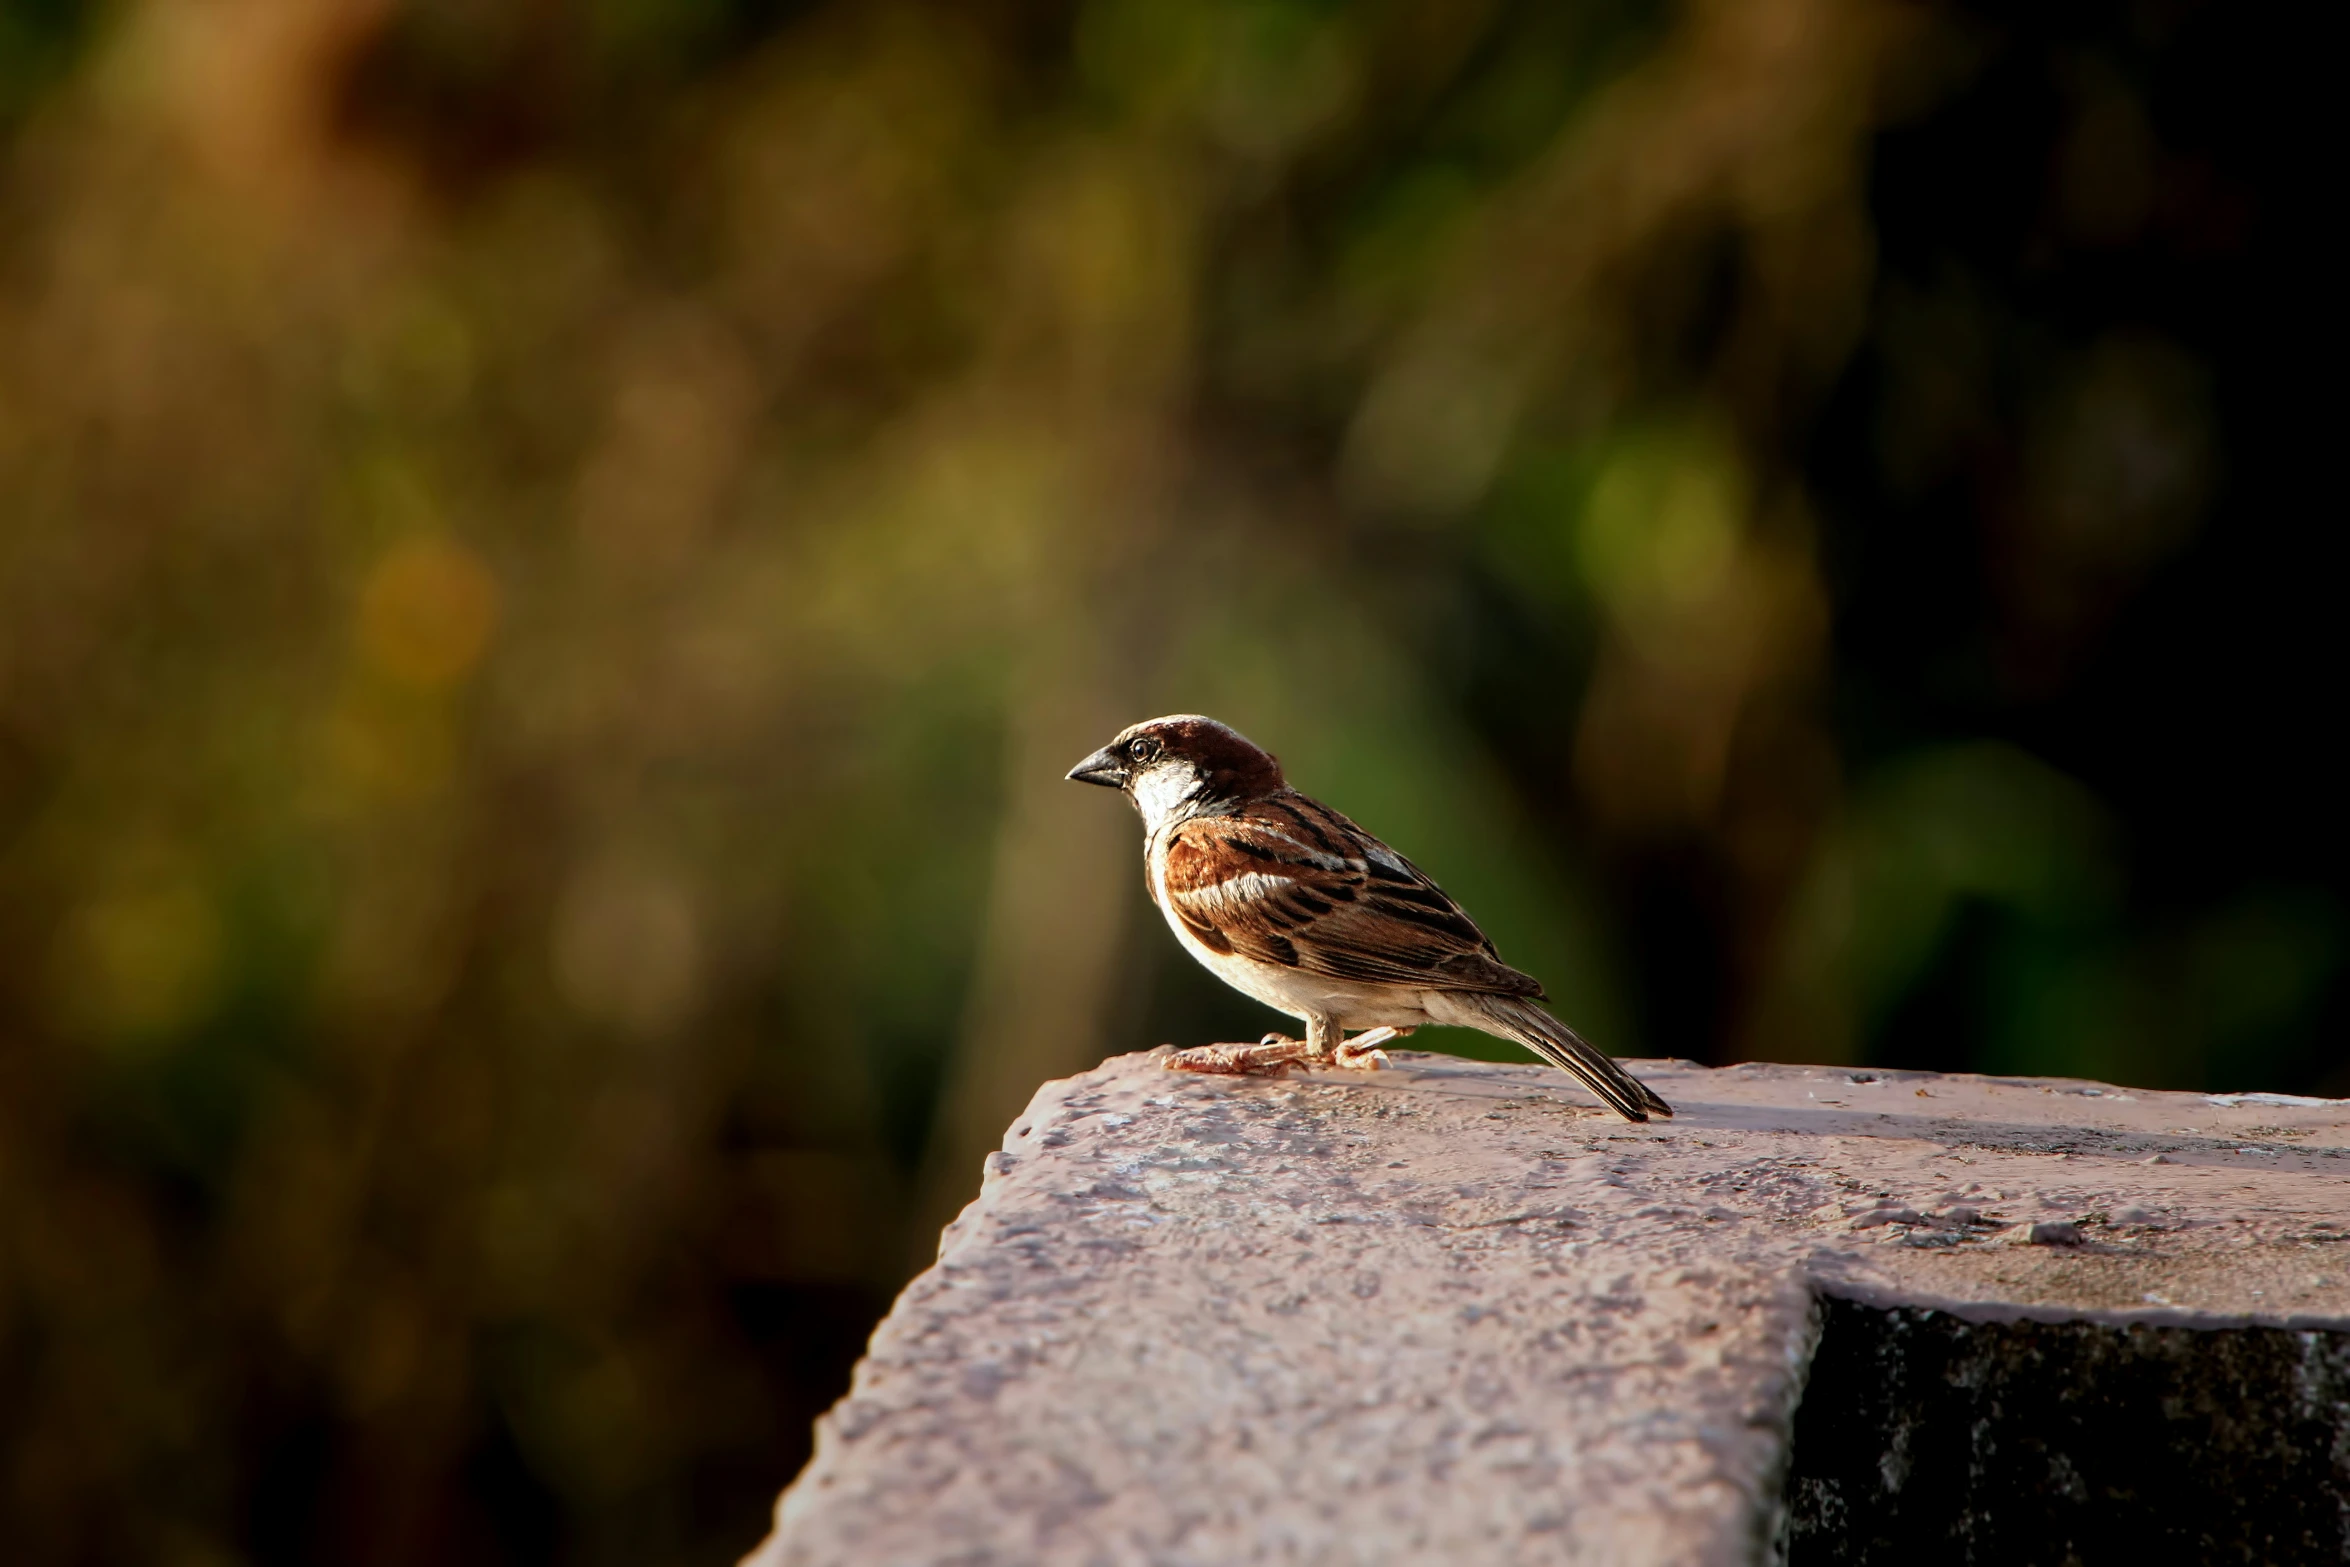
1235,768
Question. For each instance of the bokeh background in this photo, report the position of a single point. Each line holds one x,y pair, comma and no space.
553,556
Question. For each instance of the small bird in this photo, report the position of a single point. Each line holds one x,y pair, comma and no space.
1293,905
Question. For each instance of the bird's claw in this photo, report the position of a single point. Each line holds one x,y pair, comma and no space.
1277,1053
1270,1056
1362,1053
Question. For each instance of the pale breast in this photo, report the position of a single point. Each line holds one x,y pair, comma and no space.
1300,994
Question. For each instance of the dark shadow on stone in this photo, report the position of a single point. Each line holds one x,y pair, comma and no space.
1923,1439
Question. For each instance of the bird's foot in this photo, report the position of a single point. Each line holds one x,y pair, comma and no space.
1271,1055
1362,1053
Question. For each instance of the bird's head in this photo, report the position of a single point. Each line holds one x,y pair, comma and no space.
1182,765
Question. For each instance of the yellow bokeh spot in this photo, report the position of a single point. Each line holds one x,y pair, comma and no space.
144,962
427,611
1661,531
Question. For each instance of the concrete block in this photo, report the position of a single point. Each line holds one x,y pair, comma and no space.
1452,1313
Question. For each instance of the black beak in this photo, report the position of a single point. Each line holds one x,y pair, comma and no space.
1103,767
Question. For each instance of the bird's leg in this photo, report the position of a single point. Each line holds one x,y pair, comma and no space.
1323,1037
1273,1054
1363,1053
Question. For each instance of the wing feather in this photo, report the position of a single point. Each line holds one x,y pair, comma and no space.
1288,880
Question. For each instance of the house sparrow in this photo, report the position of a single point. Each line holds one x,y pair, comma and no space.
1293,905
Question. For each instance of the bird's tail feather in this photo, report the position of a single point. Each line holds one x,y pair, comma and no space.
1513,1018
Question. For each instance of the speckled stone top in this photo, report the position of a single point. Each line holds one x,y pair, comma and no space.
1450,1312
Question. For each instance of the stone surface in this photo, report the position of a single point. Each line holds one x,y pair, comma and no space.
1452,1313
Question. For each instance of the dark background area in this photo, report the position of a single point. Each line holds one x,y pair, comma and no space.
552,557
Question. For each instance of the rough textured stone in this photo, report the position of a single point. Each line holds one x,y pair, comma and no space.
1450,1313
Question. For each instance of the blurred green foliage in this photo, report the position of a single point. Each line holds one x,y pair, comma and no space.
552,559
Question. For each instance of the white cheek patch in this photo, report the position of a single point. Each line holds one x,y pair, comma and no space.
1164,790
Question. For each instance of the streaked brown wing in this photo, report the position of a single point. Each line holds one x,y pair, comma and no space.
1290,881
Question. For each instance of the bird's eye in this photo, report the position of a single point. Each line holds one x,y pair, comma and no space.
1142,748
